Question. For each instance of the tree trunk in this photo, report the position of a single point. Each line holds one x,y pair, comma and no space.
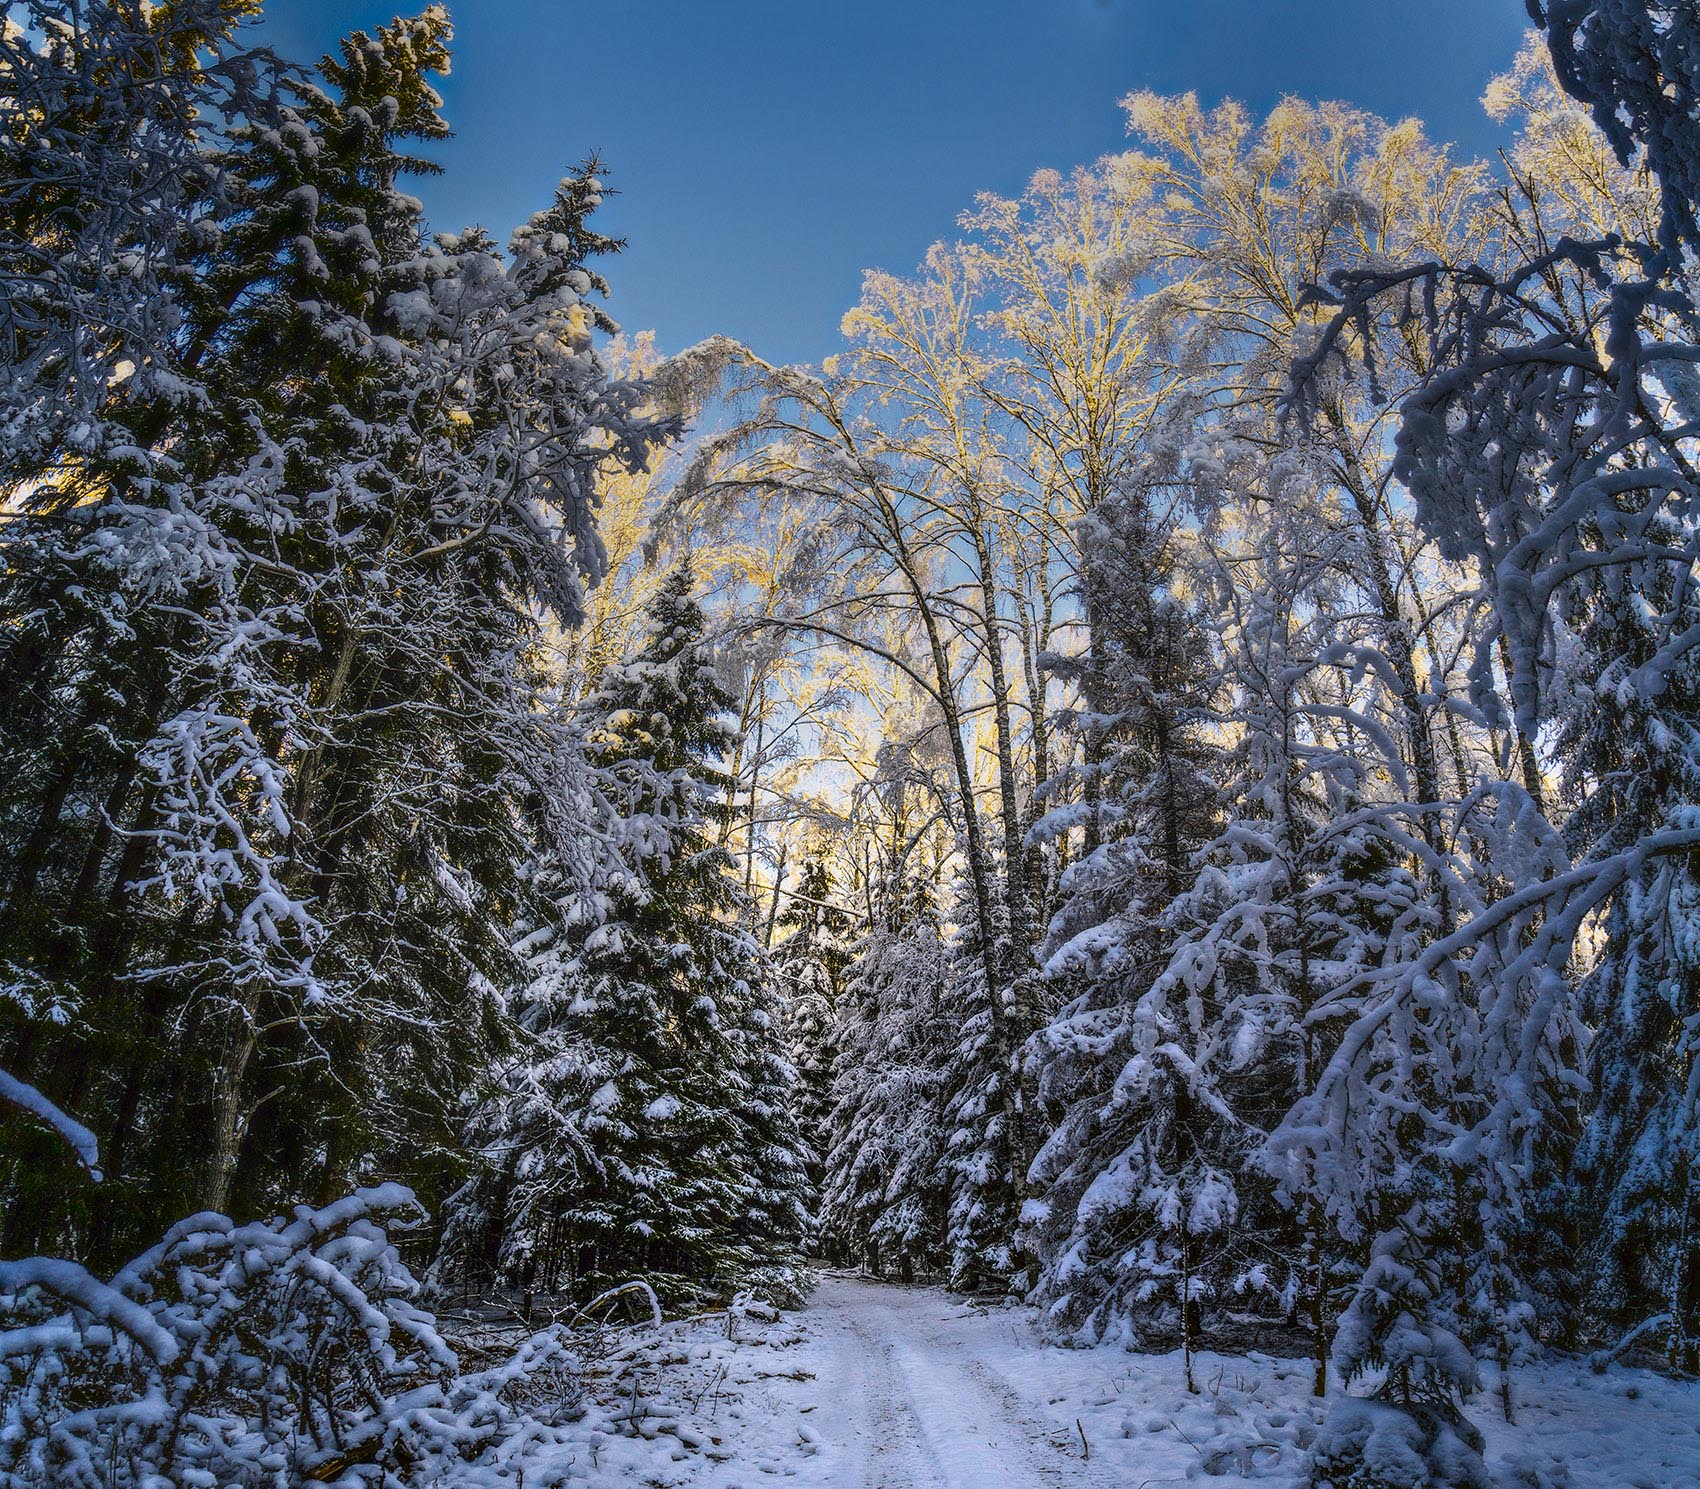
773,904
230,1111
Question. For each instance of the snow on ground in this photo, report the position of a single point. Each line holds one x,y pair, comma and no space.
873,1386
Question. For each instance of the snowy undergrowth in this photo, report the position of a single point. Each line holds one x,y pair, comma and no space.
1254,1418
868,1384
257,1356
274,1354
718,1399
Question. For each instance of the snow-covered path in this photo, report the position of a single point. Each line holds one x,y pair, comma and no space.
873,1386
908,1403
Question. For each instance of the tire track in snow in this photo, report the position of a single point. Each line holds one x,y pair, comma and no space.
910,1408
872,1407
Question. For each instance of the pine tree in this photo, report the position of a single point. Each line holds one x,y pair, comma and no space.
113,118
1125,1183
1411,1432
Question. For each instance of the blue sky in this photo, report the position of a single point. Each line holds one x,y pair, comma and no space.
766,151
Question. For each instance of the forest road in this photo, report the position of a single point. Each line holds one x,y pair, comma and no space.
907,1403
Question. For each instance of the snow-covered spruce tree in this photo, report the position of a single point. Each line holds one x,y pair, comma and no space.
325,257
1192,1034
884,1198
1406,1158
1144,681
1544,450
975,1113
455,779
1411,1434
646,1127
1318,879
216,421
1448,1078
282,875
109,114
1633,763
809,966
779,1196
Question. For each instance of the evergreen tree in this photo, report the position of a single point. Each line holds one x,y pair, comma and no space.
113,118
975,1110
885,1194
1103,1204
647,1129
286,629
1634,768
809,967
1411,1432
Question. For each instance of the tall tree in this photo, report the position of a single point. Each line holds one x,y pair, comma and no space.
886,1194
274,664
646,1128
809,967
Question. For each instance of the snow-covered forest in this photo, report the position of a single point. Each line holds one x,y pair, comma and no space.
1159,784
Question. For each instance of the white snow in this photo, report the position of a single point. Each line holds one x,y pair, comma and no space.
872,1386
22,1094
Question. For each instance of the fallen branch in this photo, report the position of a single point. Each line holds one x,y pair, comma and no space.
635,1286
1601,1358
